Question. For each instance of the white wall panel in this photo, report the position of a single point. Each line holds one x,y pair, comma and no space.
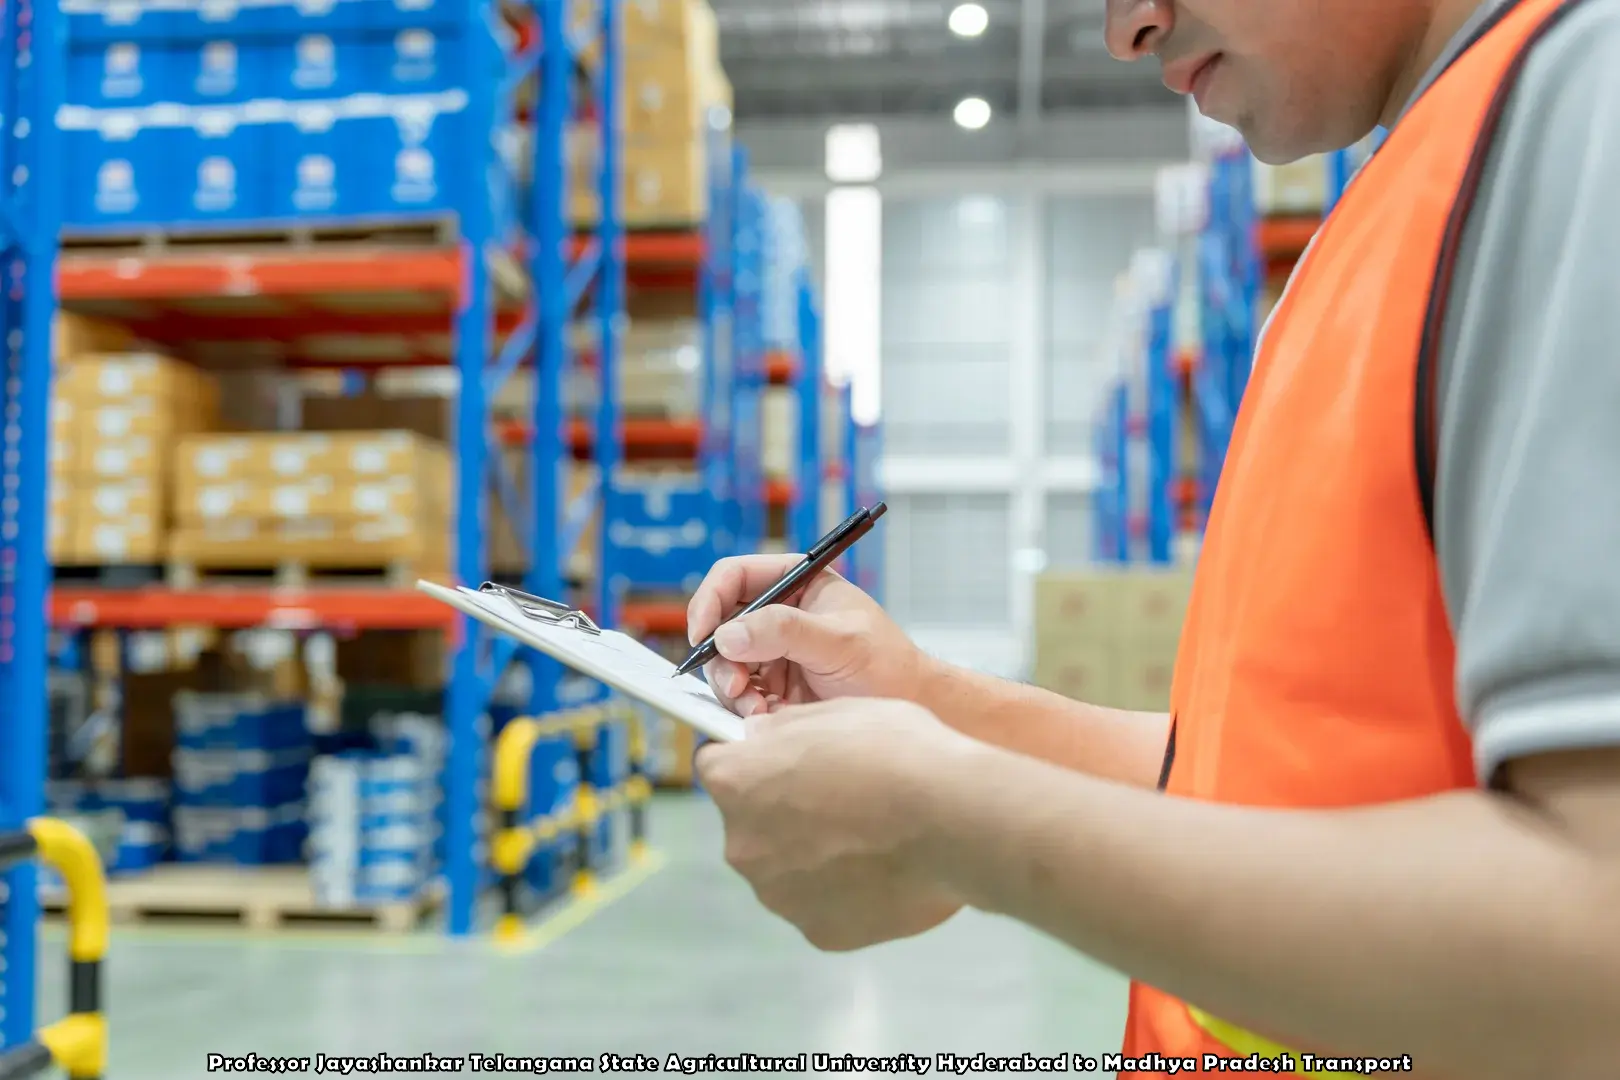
1068,530
1089,241
946,560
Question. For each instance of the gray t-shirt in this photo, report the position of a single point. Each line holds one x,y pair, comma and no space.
1527,487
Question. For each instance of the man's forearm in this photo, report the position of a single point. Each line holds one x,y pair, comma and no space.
1126,747
1458,929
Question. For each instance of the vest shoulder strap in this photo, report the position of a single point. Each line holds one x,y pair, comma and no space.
1426,414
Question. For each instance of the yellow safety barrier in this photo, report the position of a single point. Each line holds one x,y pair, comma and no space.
76,1044
515,841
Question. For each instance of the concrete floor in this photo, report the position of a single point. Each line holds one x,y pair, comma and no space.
686,962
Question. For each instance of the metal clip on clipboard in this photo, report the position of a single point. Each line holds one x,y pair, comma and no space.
540,609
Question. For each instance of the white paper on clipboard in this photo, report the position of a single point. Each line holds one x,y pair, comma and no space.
616,659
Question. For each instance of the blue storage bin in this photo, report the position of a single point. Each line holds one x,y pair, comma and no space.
241,779
659,529
118,74
321,164
318,66
223,164
114,172
141,846
217,71
100,20
610,763
238,722
142,800
204,834
269,837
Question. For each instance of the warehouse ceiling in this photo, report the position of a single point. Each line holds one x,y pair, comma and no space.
832,58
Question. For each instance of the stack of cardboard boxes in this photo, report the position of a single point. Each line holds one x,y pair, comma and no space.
672,81
340,500
114,422
1109,637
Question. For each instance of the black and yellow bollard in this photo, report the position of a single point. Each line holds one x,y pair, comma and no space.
638,787
587,808
77,1043
512,845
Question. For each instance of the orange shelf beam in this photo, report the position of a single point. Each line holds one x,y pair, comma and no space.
154,608
645,249
779,493
781,367
82,277
654,617
1281,241
642,437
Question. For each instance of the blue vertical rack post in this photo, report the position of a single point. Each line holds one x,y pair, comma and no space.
748,376
1163,393
716,301
560,282
1230,273
34,55
805,524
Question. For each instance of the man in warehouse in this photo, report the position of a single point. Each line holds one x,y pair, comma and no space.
1381,822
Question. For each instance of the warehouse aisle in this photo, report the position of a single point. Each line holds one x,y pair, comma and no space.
686,963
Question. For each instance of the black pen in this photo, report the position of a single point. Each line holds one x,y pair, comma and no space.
822,554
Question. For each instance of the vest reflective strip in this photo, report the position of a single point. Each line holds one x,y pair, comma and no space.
1243,1043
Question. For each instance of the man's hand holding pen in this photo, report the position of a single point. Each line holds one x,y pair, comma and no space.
815,798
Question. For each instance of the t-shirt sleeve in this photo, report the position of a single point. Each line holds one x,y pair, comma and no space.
1527,487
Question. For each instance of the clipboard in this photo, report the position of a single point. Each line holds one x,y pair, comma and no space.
608,656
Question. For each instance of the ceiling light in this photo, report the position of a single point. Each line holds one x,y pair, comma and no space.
972,113
969,20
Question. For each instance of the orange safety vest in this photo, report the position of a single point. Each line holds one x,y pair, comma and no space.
1316,665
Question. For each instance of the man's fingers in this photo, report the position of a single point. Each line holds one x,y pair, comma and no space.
730,584
781,632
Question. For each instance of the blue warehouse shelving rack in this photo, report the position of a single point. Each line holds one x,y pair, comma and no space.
29,211
1236,253
508,281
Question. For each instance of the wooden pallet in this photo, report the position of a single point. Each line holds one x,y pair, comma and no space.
269,239
257,898
294,575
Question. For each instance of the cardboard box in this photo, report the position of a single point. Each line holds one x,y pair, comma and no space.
351,457
779,432
132,539
121,377
75,335
156,417
132,457
1154,605
212,458
1087,673
115,500
334,543
64,454
1143,677
652,27
1111,605
59,521
1300,187
671,95
1078,605
321,495
661,182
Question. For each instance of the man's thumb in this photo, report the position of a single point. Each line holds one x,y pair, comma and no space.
780,632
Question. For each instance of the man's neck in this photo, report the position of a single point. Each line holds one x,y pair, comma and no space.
1446,18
